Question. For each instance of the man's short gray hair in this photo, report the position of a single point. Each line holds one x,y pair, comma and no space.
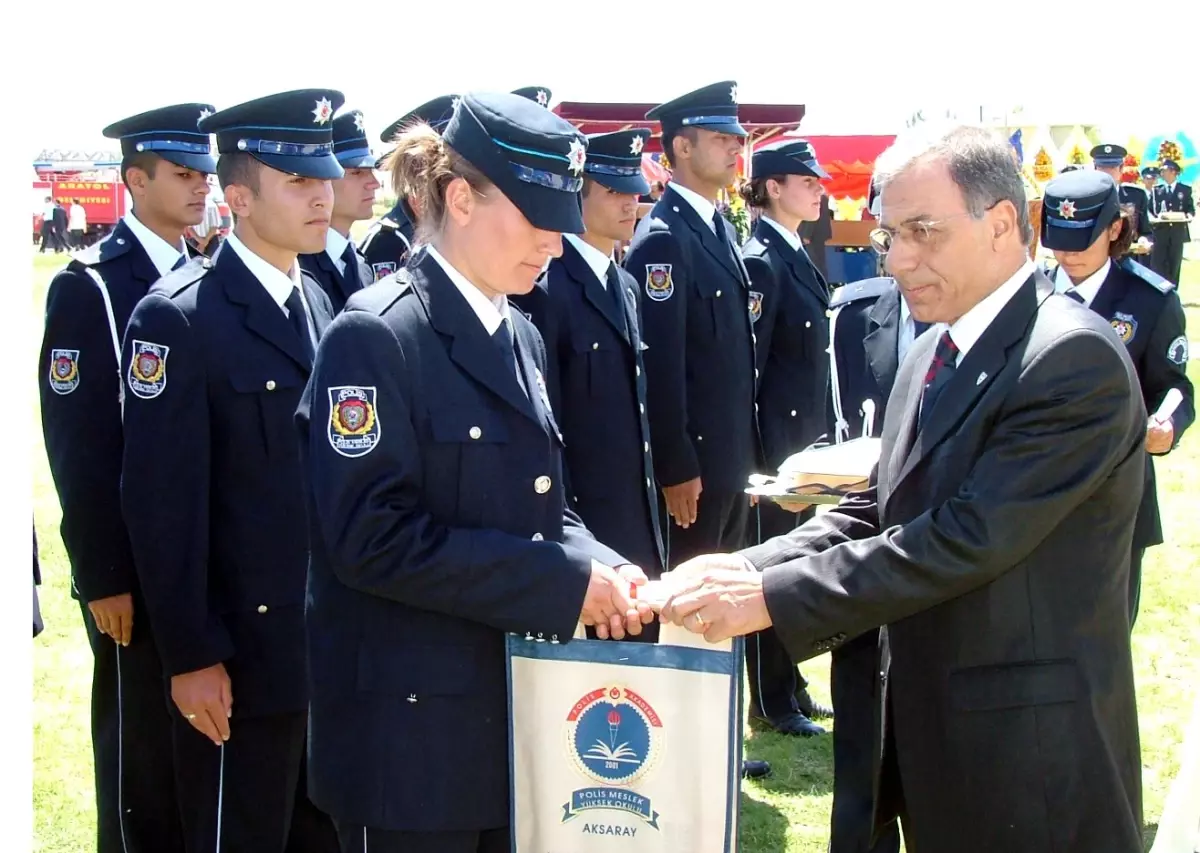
981,162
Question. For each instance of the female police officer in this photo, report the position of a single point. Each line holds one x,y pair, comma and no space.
1083,223
435,490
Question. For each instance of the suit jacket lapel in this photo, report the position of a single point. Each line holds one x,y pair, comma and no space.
708,237
594,292
975,372
263,315
472,348
880,341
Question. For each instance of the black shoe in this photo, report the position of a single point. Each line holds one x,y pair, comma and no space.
754,769
795,724
810,708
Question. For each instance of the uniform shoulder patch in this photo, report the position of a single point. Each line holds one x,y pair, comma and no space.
1147,275
755,306
868,288
353,420
147,376
382,270
659,285
1125,325
64,370
1177,350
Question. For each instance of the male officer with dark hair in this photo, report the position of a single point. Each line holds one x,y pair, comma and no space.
586,308
340,269
166,160
1176,208
700,361
215,360
1110,159
388,242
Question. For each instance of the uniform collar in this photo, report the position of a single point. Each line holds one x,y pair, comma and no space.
489,312
162,254
335,245
279,285
593,257
970,326
1088,288
703,207
792,238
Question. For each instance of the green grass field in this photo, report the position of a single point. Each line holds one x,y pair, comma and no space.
788,811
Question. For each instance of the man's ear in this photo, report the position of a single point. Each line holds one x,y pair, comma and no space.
239,198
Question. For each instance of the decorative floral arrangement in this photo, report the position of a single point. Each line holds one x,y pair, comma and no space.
733,208
1078,157
1169,150
1129,169
1043,167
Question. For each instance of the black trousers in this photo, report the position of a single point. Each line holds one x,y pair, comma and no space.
250,795
1135,584
1166,258
136,807
853,676
772,673
355,838
720,527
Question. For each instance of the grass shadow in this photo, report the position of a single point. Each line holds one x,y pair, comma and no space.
1149,833
763,828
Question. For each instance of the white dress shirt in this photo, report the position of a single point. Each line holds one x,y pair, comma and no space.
162,254
277,284
699,203
1088,288
593,257
790,237
970,326
335,246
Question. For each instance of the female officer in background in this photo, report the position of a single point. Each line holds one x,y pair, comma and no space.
1084,225
434,470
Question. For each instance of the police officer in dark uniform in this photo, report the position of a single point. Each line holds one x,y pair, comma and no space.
1109,159
388,242
165,162
436,494
700,361
215,359
1175,209
787,306
586,308
340,268
1145,312
870,333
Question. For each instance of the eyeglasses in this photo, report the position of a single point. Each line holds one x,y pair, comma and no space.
922,233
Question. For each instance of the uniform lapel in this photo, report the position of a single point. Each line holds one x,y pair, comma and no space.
880,341
708,237
973,375
316,300
263,315
577,268
472,348
124,240
329,268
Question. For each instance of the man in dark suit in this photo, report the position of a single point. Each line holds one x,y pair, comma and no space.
388,242
586,308
1175,206
214,360
340,268
993,540
165,163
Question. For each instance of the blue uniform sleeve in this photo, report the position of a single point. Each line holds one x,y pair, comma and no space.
79,385
655,262
1165,365
165,488
380,537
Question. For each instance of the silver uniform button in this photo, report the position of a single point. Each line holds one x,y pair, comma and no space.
638,370
541,485
718,293
537,537
645,447
699,438
262,608
412,698
808,324
793,413
270,384
676,209
595,346
642,408
475,432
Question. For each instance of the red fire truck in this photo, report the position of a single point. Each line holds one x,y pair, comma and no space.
94,180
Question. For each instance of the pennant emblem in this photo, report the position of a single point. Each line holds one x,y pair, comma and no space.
353,421
64,370
147,376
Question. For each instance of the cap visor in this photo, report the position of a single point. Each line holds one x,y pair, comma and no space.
205,163
817,171
631,185
733,128
325,167
1059,239
551,210
358,161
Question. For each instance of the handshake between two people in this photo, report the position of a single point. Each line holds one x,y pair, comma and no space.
717,595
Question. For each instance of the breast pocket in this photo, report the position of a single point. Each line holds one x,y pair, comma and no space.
465,463
265,405
597,356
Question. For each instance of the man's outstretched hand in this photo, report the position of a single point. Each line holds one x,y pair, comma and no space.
717,595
